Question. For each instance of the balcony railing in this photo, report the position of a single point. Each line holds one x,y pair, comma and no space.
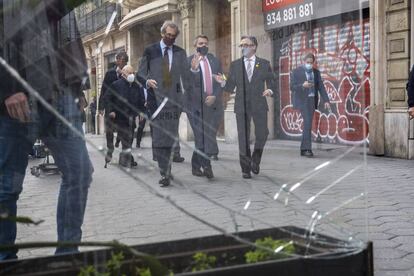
97,19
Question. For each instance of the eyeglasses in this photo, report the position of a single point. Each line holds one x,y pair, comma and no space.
246,45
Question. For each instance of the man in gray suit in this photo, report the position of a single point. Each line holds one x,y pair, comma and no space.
204,105
164,71
247,78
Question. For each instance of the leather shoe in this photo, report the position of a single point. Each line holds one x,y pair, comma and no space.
208,172
178,159
164,181
246,175
307,153
117,143
255,168
197,172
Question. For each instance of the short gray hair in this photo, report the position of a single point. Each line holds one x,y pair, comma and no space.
170,24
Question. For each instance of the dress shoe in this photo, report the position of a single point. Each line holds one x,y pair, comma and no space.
246,175
117,143
178,159
208,172
307,153
164,181
255,168
197,172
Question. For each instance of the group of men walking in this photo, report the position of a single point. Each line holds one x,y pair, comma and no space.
174,83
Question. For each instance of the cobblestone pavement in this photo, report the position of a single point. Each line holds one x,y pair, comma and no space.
125,208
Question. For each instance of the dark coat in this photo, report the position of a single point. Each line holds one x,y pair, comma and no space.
249,95
197,95
126,100
410,88
151,68
299,94
110,77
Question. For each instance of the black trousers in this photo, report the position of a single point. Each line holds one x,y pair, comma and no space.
110,128
243,130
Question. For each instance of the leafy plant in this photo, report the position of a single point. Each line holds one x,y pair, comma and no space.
113,268
266,250
202,261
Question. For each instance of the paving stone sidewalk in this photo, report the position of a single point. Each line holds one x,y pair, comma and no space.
125,208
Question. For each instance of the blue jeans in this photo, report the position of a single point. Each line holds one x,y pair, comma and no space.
70,155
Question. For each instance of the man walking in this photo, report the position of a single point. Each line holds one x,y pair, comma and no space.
248,77
306,84
204,106
126,101
111,76
55,66
163,70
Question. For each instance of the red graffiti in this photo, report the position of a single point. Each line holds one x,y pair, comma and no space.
343,59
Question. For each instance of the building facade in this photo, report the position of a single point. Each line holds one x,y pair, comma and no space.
362,47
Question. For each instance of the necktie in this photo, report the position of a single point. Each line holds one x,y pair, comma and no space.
207,77
249,69
166,69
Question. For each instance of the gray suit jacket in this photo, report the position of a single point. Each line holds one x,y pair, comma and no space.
249,94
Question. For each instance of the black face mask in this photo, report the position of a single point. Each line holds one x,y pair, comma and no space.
202,50
169,41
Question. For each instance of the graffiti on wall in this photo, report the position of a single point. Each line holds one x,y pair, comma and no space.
343,57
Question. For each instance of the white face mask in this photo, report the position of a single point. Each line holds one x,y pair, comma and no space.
131,78
308,66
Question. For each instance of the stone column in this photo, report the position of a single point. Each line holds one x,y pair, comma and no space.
186,8
396,121
237,27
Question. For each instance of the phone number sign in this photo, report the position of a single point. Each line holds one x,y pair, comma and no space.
279,13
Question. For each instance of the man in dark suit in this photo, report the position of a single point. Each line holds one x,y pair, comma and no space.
111,76
126,101
163,70
248,77
52,63
204,106
410,91
306,84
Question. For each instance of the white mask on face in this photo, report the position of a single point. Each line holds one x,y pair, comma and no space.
131,78
308,66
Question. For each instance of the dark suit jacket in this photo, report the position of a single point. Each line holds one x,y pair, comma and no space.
249,95
410,88
300,95
110,77
197,95
126,100
151,68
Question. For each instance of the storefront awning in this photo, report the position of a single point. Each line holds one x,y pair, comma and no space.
147,11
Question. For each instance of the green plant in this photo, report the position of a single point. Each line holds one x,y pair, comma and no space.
113,268
202,261
269,249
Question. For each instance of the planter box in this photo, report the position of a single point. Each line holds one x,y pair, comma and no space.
327,257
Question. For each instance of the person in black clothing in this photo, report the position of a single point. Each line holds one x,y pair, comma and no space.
165,72
410,91
248,77
204,106
92,107
111,76
306,85
126,101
